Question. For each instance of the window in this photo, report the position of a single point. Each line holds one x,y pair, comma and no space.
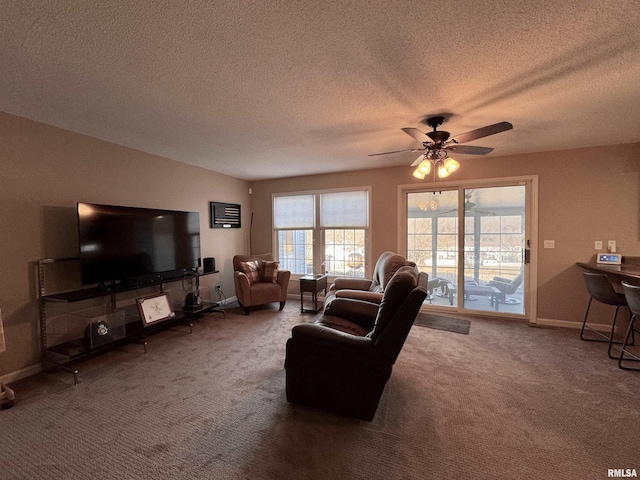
295,250
322,232
294,221
344,252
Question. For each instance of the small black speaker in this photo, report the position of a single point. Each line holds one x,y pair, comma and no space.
209,264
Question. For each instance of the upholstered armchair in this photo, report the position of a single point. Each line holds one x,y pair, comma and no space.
342,362
369,290
259,281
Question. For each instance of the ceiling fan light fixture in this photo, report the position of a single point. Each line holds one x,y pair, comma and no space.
451,165
442,171
424,167
418,174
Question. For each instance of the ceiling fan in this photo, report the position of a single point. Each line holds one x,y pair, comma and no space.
470,208
436,146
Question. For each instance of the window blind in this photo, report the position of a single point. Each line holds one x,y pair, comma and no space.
294,212
344,209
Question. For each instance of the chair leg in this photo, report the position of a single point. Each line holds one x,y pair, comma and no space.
634,358
604,338
282,305
613,328
246,310
585,326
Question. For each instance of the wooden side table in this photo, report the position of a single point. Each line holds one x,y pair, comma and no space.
312,284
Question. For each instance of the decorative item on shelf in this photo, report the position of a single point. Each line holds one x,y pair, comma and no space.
97,334
155,308
208,264
225,215
101,328
192,302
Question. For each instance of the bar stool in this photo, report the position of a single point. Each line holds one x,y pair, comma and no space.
600,288
632,293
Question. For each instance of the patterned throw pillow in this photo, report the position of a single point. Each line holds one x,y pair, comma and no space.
270,271
250,269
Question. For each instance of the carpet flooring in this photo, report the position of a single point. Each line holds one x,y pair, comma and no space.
448,324
506,401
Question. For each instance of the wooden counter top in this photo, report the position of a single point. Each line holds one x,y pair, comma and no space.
628,270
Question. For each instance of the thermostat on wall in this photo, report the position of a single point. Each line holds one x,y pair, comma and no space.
610,258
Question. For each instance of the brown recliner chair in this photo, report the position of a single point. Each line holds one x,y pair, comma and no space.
370,290
342,362
258,281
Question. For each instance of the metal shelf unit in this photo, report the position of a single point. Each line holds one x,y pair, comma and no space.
60,355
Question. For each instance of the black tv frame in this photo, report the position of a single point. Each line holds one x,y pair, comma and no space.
142,276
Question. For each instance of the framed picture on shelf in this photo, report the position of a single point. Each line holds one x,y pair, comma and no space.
155,308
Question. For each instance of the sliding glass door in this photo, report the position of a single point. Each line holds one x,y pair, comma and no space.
432,241
494,249
472,241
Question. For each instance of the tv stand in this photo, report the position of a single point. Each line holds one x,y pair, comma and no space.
123,323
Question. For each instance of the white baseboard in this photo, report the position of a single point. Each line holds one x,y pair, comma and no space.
20,374
549,322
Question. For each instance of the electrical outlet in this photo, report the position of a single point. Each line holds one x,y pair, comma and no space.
598,245
217,288
611,246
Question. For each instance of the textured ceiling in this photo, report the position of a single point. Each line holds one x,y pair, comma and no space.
280,88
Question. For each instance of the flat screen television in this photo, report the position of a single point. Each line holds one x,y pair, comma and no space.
136,245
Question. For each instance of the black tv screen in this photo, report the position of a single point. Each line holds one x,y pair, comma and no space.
119,243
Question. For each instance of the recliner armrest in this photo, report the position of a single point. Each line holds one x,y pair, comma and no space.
346,283
363,295
356,311
331,338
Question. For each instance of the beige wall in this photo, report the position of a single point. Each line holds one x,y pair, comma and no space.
584,195
44,171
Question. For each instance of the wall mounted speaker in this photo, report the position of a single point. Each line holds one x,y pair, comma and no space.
209,264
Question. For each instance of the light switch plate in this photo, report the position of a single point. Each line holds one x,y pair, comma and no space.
598,245
549,244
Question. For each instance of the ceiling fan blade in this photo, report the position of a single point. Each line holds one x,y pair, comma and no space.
417,134
482,132
397,151
469,149
417,161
